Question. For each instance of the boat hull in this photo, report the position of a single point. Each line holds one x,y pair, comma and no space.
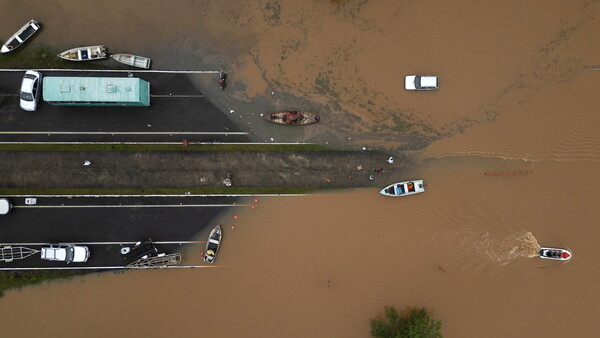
403,188
88,53
22,35
212,245
555,254
281,118
132,60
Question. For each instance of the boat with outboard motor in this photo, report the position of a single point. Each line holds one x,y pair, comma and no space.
555,254
212,245
404,188
22,35
87,53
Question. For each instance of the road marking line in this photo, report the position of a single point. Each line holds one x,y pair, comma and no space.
118,71
133,206
114,267
106,243
177,96
123,132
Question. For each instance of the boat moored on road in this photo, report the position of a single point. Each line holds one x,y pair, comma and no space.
22,35
132,60
404,188
555,254
292,118
87,53
213,244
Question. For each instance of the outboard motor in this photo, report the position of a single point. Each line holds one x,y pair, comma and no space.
222,80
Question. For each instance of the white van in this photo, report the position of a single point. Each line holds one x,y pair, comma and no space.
421,82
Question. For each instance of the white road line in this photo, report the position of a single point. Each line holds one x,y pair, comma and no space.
152,196
118,71
106,243
176,96
123,133
132,206
113,267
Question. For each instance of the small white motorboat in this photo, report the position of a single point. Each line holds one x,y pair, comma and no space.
555,254
87,53
404,188
132,60
21,36
213,244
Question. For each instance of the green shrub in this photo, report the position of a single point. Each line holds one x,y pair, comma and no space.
415,323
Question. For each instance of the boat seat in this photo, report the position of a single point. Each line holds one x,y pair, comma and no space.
213,241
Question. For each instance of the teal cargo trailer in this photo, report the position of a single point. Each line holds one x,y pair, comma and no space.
96,91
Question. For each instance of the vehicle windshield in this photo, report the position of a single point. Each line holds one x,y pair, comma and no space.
417,82
26,96
70,253
29,76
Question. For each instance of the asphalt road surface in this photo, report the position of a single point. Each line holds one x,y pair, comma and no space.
93,221
178,111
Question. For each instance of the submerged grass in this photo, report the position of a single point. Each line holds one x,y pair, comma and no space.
17,279
162,191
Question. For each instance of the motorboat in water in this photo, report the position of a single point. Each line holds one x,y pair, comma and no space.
132,60
212,245
555,254
404,188
87,53
22,35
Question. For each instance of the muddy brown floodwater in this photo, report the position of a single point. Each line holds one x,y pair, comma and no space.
517,101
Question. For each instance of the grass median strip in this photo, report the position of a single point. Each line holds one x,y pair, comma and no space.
163,191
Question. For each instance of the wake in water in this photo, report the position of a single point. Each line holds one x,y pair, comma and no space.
504,249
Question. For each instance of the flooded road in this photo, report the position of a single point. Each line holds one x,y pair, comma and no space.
513,165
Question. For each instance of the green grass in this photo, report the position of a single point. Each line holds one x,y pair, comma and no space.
164,147
38,57
17,279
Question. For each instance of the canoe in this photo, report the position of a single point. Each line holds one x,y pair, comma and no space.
21,36
87,53
292,118
555,254
404,188
132,60
212,245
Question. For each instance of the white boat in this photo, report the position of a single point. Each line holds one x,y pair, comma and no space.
132,60
213,244
84,53
404,188
555,254
21,36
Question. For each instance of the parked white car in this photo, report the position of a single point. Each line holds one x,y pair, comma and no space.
5,206
421,82
30,90
65,253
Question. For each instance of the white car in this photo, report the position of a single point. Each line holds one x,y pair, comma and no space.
5,206
421,82
30,90
65,253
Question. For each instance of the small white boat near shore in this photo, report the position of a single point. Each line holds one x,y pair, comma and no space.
22,35
87,53
555,254
404,188
132,60
212,245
